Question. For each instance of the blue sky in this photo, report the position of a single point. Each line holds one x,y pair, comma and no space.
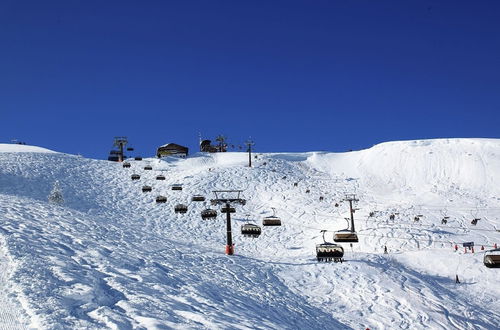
293,75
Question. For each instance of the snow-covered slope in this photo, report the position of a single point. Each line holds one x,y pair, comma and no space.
112,257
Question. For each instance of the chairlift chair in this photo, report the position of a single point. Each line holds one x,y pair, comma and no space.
160,177
180,208
208,214
148,168
146,188
345,236
176,187
126,165
250,230
492,258
474,221
444,221
161,199
135,176
272,220
329,251
198,198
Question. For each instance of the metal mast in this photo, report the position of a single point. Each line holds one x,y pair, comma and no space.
350,199
249,144
220,200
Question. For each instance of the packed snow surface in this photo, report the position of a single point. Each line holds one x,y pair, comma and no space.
22,148
109,256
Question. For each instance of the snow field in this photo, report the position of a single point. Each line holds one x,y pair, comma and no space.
111,257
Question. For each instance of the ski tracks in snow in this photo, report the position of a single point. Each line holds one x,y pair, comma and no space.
10,309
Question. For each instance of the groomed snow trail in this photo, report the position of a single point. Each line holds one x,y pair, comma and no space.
111,257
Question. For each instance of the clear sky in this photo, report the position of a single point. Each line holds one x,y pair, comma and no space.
294,75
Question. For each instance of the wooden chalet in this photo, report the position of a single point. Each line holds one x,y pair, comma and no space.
172,149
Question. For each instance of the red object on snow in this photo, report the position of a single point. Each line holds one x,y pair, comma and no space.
456,247
472,249
495,245
482,247
230,250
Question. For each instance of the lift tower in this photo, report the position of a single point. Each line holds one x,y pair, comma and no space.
226,198
120,143
249,144
351,198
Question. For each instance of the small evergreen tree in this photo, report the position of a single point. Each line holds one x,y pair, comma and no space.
55,196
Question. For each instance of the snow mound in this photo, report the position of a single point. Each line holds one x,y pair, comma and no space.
4,147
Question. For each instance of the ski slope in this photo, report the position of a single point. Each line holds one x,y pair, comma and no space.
111,257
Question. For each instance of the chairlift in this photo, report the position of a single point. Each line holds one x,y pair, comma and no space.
180,208
146,188
392,217
161,199
135,176
345,235
444,221
176,187
329,251
272,220
474,221
126,165
250,229
208,214
138,158
492,258
148,168
160,177
198,198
